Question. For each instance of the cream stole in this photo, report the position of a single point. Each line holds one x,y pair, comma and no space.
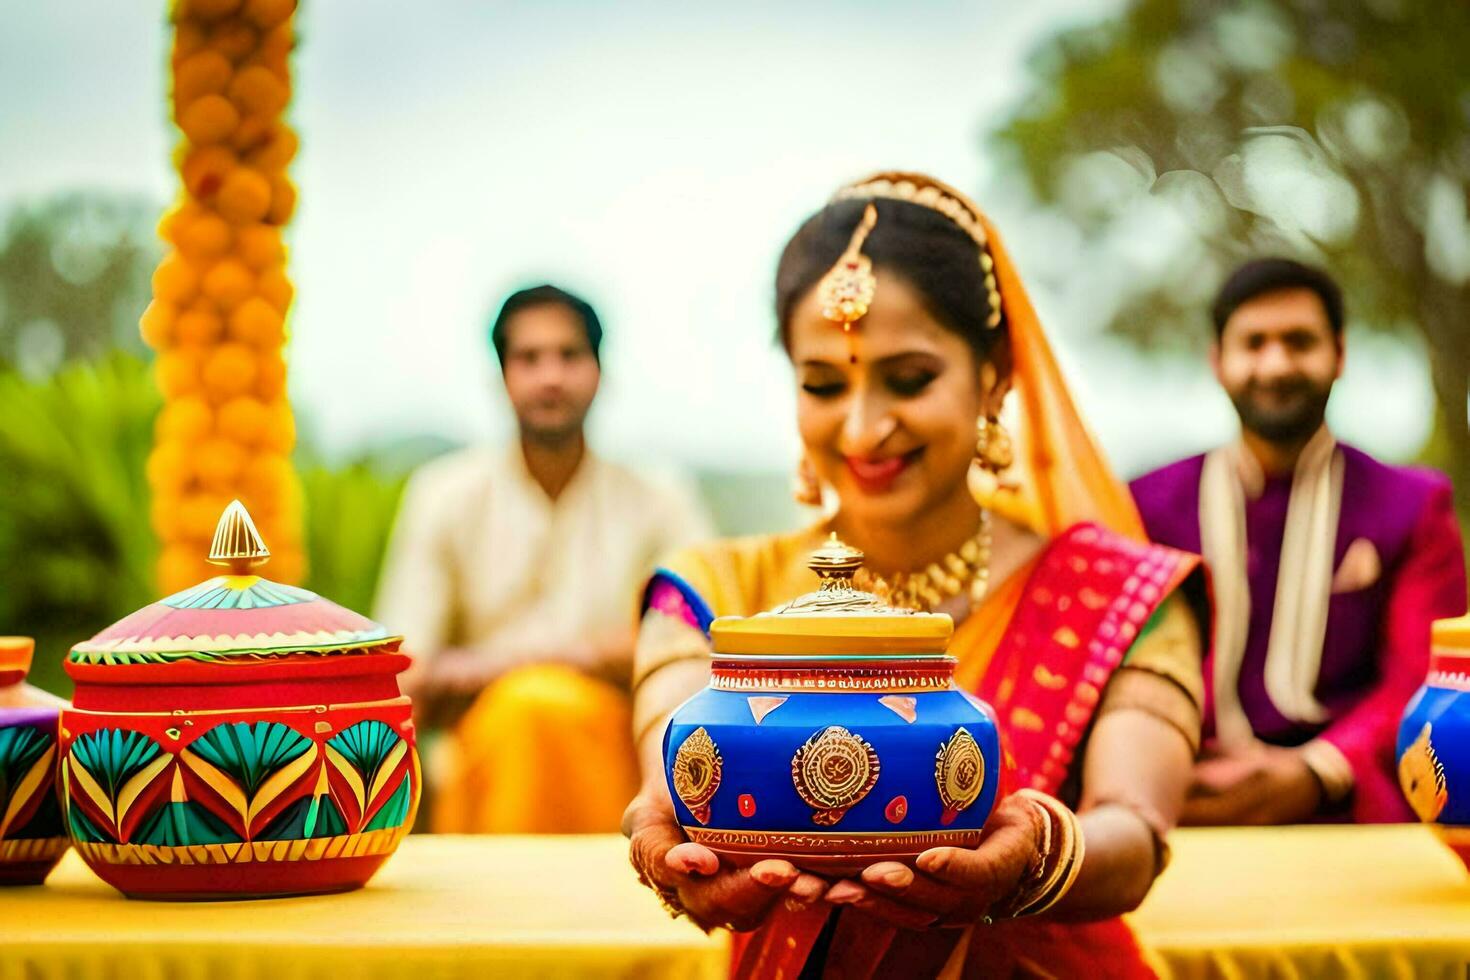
1303,582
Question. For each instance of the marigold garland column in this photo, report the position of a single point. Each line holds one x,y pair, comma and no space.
221,294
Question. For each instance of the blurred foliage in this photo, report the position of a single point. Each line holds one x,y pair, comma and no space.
76,551
77,404
349,513
1185,136
74,272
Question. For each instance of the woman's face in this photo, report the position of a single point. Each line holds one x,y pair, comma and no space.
887,415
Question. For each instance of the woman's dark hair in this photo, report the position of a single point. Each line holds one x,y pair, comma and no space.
541,296
929,251
1262,276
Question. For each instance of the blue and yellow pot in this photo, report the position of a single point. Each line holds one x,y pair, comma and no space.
832,734
1434,739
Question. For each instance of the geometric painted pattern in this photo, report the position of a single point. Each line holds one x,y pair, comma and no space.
27,803
239,792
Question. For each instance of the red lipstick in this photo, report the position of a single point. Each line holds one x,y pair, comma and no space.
875,474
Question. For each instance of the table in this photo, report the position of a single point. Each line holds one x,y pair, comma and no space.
1335,901
1341,901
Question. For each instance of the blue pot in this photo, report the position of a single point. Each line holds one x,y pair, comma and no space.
1434,739
832,734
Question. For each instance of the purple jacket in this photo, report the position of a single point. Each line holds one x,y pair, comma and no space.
1376,651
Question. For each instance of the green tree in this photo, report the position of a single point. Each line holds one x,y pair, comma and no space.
1184,136
74,273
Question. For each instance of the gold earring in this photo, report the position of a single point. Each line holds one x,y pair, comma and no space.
806,489
994,454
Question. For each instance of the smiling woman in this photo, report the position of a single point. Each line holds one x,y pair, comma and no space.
908,329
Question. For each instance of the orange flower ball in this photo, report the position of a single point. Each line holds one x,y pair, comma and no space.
157,323
244,420
182,566
188,39
283,201
276,288
256,89
177,372
281,531
259,246
269,13
257,322
280,432
253,132
200,73
175,280
229,370
229,283
234,39
245,195
206,236
168,468
175,218
205,168
277,151
269,479
184,420
199,513
288,566
199,325
209,9
163,515
209,119
270,378
217,463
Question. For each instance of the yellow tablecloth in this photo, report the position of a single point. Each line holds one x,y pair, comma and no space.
1309,902
1388,901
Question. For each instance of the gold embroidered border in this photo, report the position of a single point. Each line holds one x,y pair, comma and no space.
781,681
781,841
321,848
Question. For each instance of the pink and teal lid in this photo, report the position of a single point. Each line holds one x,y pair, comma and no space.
235,616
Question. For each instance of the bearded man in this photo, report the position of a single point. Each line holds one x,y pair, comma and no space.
1328,568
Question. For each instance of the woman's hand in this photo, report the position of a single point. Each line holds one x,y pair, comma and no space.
690,878
952,886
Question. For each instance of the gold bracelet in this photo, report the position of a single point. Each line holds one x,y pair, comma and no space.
1061,850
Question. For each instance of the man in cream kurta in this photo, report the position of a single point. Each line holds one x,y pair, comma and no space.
513,575
483,559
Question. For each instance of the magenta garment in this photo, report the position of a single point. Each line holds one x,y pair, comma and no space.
1376,651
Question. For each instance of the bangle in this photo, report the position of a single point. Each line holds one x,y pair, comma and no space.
1060,852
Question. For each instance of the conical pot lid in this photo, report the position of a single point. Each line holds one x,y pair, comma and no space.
238,615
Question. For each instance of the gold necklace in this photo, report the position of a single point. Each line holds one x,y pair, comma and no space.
967,567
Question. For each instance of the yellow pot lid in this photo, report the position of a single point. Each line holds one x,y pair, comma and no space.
837,619
1451,635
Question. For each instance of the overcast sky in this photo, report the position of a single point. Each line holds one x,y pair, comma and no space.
652,156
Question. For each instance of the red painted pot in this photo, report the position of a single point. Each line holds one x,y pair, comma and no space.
240,739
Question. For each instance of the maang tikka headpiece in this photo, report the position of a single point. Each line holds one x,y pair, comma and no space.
846,291
935,197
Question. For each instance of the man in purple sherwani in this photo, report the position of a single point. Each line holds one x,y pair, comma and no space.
1328,567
